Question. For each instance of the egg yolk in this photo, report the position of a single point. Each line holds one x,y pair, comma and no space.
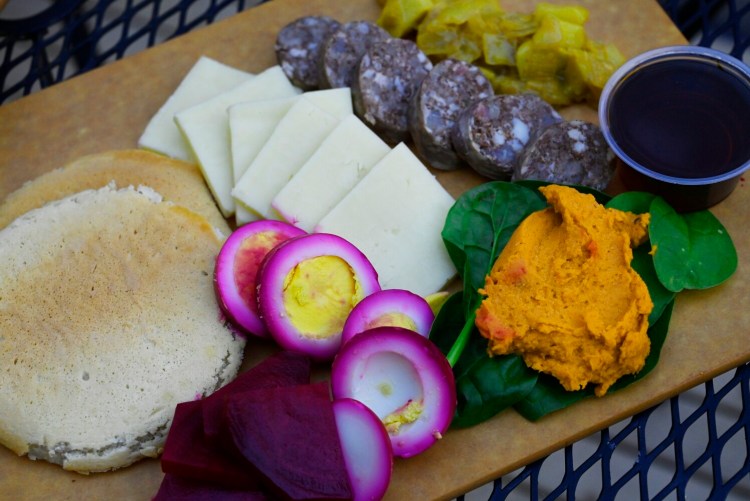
319,293
393,319
405,415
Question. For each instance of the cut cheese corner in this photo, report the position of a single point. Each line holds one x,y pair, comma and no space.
251,123
344,157
337,102
205,79
296,137
395,216
205,126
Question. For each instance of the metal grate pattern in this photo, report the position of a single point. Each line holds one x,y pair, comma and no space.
69,37
721,24
693,446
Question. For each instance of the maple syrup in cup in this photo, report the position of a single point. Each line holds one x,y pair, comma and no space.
678,120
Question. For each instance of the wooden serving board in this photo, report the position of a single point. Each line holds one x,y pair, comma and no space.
108,109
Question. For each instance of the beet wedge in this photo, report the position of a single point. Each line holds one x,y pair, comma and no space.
189,454
174,487
284,368
289,436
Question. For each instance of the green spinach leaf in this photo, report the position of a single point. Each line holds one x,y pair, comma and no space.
637,202
490,385
693,250
479,225
643,264
484,385
548,396
476,229
448,323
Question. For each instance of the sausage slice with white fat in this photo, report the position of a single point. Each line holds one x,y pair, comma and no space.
343,50
490,134
388,76
298,47
573,152
449,88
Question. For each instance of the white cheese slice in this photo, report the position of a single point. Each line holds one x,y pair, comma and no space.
341,161
205,126
337,102
297,135
250,125
205,79
395,215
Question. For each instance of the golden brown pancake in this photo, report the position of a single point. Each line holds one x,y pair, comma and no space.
108,319
176,181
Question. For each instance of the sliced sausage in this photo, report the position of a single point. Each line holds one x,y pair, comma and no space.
343,50
298,47
573,152
490,134
388,76
449,88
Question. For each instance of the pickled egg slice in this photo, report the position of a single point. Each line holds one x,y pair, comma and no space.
237,266
404,379
308,286
390,307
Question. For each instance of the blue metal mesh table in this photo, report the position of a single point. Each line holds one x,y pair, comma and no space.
695,445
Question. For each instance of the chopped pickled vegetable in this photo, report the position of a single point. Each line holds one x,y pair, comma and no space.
547,51
570,13
557,33
399,17
498,50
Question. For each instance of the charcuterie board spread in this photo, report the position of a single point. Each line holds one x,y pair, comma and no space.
109,109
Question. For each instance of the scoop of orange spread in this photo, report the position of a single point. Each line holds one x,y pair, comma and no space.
563,295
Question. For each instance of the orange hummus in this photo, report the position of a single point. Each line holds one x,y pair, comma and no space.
563,295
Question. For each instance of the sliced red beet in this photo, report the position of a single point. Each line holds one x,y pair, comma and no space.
188,453
284,368
174,487
289,435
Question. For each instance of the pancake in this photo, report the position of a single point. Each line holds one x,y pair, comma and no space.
175,180
108,319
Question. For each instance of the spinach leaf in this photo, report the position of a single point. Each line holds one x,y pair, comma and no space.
448,323
484,385
479,225
637,202
643,264
693,250
476,229
490,385
548,395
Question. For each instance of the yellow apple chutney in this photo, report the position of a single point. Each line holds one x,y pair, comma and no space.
563,295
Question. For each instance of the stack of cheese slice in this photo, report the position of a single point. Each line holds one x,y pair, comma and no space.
269,151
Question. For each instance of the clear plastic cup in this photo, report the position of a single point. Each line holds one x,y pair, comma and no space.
678,120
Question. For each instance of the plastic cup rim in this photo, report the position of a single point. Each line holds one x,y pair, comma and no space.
667,53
